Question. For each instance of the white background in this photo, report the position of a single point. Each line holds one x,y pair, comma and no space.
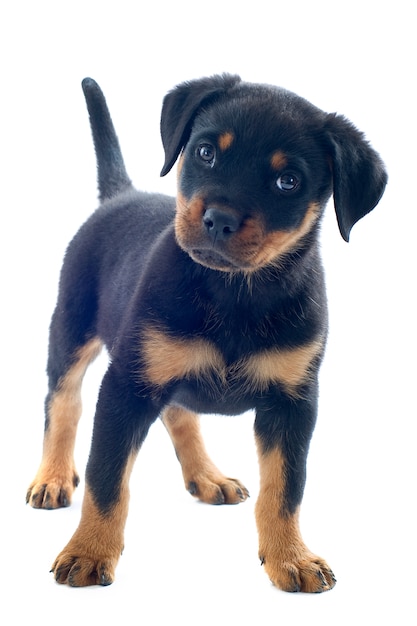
184,562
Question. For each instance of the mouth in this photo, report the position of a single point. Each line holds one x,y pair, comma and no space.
214,260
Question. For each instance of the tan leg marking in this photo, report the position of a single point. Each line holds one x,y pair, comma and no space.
91,556
57,477
288,562
201,477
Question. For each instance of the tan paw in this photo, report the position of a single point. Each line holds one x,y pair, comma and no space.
308,573
52,492
217,489
81,571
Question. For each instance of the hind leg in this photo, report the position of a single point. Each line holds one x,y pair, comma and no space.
201,477
57,477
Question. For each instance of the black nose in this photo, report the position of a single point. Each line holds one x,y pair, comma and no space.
220,224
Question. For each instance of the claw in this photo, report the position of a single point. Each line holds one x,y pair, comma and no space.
105,581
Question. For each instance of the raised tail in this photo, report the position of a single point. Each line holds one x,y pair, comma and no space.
111,172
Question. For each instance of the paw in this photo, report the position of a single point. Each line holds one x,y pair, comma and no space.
51,492
306,572
91,555
81,571
217,489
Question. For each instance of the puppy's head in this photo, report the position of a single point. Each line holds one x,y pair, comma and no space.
257,165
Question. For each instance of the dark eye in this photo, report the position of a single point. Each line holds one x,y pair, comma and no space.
207,153
288,182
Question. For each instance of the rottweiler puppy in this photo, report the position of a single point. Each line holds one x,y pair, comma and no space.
213,302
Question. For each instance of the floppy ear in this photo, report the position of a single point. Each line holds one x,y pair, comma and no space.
180,107
359,175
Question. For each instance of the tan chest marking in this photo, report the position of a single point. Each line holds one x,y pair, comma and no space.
288,367
168,358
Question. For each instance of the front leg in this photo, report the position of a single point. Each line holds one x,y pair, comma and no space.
283,431
121,424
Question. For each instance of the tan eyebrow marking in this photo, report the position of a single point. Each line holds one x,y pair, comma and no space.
226,140
278,160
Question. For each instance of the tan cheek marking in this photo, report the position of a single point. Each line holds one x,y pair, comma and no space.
168,358
249,238
192,209
225,141
279,243
278,160
287,367
188,218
